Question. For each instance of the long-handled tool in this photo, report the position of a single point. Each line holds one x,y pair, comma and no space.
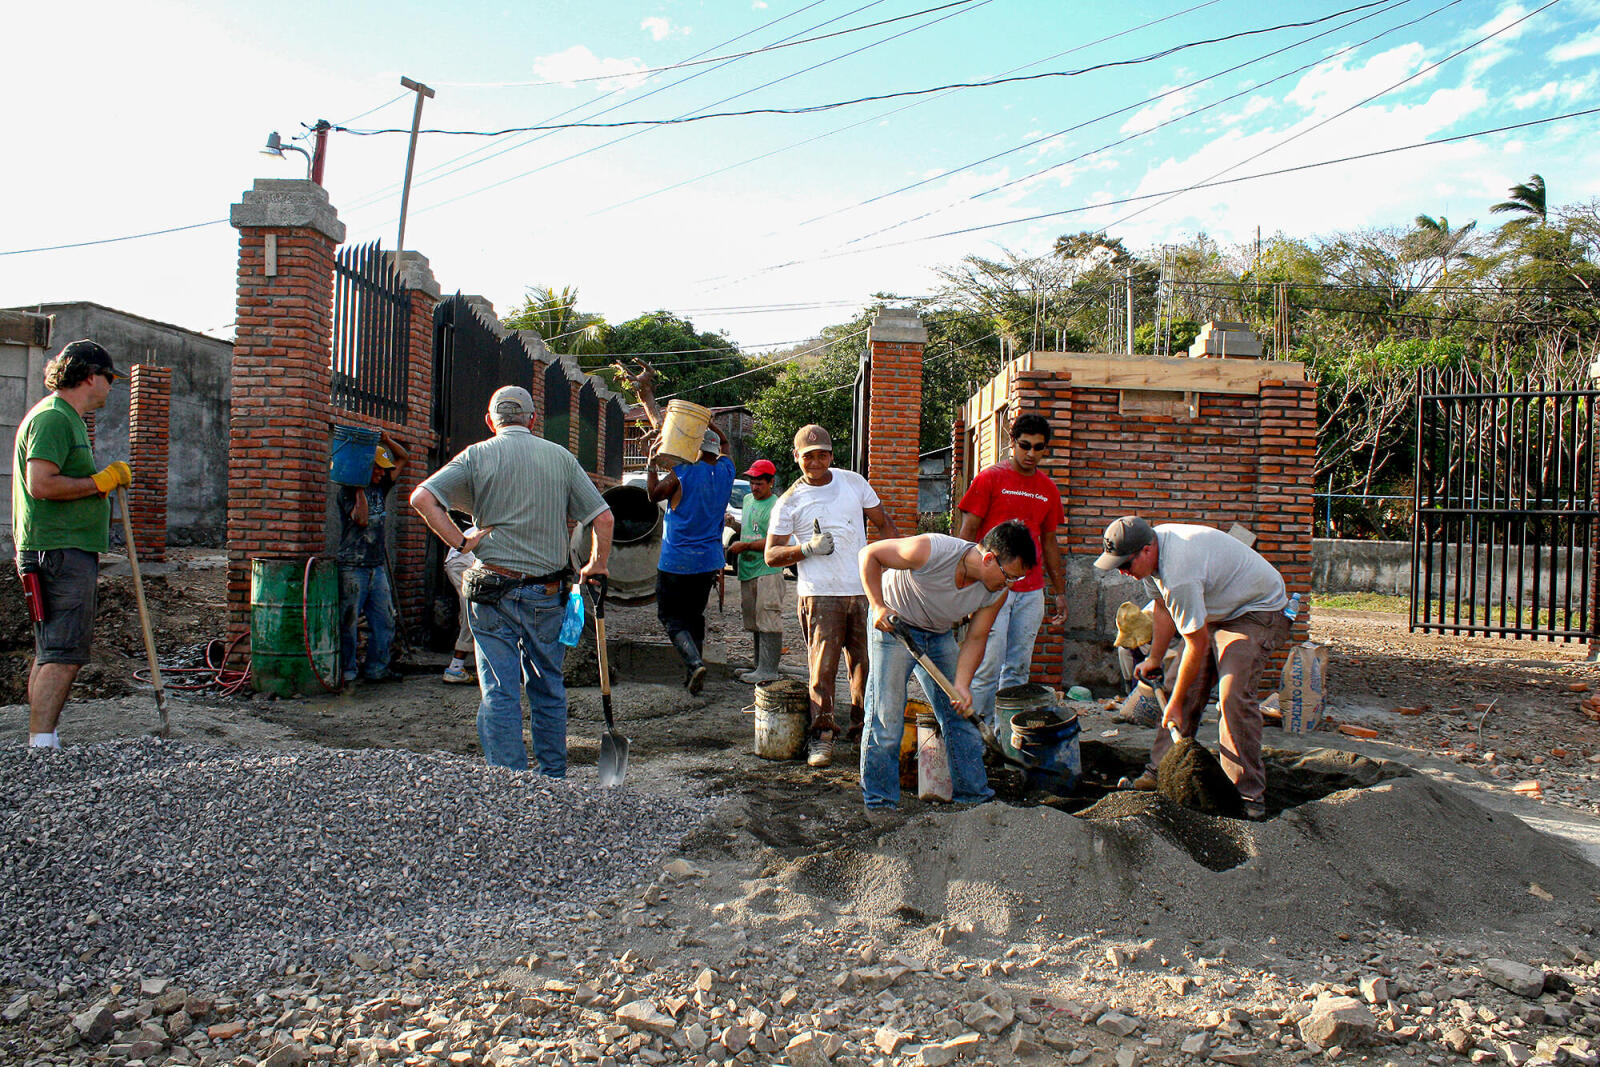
613,762
144,614
984,730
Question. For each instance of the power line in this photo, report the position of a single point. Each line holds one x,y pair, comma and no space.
885,114
775,363
811,109
114,240
646,71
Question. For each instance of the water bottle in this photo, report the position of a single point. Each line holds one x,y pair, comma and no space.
1293,609
572,619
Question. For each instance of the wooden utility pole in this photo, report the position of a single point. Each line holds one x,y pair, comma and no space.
423,93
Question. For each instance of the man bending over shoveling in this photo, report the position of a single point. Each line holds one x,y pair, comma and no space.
1227,602
929,583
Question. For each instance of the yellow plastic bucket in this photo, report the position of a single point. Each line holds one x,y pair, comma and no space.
683,427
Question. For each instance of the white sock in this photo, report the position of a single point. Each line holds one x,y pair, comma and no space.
49,740
458,664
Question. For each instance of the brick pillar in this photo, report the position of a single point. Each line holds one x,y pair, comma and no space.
282,381
896,339
149,398
411,534
574,387
1286,469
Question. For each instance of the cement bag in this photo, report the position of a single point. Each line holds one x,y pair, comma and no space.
1304,687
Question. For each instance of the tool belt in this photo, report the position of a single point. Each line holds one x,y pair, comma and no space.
484,583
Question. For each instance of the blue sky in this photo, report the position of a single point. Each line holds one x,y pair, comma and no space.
126,118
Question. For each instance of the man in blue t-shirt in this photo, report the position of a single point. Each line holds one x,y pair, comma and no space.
696,495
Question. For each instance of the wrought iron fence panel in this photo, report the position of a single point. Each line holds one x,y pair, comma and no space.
371,333
1504,525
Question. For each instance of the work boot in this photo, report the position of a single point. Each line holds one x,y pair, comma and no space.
697,679
769,648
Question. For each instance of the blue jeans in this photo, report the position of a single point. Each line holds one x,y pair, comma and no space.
518,651
1008,657
890,665
365,591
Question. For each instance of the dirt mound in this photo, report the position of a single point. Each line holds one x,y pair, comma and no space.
1409,852
1190,777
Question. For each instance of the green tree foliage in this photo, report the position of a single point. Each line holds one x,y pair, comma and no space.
691,365
553,314
813,385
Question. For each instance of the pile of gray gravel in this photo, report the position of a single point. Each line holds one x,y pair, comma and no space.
213,863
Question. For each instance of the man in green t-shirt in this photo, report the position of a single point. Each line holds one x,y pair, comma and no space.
760,586
61,518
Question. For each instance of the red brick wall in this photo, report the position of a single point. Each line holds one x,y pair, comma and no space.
894,429
149,400
281,410
1245,459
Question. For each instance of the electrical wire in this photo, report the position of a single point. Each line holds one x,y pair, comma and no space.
811,109
647,71
1430,68
775,363
114,240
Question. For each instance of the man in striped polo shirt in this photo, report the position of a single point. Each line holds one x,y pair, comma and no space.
520,491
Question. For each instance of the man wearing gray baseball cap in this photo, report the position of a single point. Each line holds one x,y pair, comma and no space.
521,491
1228,603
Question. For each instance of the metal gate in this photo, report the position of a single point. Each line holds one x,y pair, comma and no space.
470,361
1504,535
371,333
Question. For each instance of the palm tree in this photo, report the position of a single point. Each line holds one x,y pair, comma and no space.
1434,237
554,316
1527,205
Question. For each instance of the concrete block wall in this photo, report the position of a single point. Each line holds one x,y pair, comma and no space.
149,414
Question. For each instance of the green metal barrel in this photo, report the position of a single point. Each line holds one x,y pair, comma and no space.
278,662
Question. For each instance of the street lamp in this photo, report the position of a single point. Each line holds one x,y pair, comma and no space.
275,147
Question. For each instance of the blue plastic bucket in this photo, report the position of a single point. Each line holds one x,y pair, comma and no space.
1050,744
1015,700
353,450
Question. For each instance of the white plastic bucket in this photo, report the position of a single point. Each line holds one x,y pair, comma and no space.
683,428
782,710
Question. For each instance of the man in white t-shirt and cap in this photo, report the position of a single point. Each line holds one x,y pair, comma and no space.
825,513
1228,603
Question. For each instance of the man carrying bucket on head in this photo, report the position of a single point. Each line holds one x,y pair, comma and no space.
1228,603
929,583
364,566
826,513
696,493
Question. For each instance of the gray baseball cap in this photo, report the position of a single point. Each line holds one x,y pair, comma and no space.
1123,540
511,400
711,443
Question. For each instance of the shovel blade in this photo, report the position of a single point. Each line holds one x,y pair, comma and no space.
613,762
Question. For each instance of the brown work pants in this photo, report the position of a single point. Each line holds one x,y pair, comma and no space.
1240,649
835,624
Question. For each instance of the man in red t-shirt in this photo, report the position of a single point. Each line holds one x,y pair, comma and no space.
1015,488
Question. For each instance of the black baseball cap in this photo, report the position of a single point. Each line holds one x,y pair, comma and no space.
90,353
1124,538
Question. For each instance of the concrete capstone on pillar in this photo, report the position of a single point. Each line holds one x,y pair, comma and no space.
895,342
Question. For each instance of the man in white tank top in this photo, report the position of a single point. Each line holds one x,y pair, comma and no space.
931,582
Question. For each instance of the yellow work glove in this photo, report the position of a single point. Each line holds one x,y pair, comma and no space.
114,476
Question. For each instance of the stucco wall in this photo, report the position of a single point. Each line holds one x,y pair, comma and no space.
197,465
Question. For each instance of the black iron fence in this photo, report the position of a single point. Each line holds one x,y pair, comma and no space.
371,333
1505,518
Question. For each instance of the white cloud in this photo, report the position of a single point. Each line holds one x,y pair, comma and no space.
759,5
1493,51
1332,87
1147,118
661,28
1580,47
569,65
1542,95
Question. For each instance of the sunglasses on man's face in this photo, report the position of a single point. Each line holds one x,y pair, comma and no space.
1029,446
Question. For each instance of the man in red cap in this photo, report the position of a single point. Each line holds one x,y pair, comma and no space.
760,586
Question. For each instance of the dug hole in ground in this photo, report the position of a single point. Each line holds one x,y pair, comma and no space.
339,879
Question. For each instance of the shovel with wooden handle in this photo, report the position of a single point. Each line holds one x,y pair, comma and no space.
613,761
144,613
984,730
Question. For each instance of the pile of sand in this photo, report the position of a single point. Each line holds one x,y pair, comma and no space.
1410,852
